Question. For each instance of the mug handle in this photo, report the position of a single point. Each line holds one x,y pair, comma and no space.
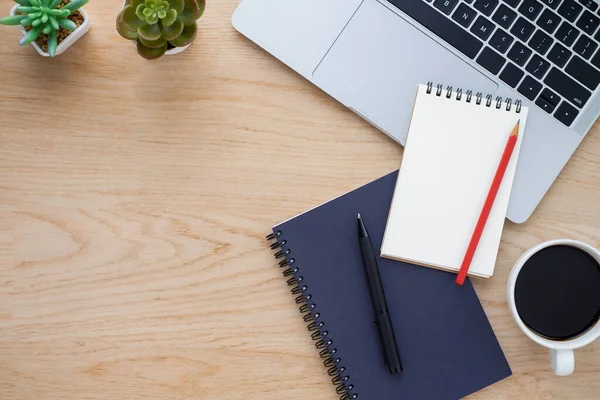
563,361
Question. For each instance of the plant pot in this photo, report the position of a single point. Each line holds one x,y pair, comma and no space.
171,52
176,50
65,44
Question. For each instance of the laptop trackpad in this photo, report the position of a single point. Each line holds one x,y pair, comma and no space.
379,59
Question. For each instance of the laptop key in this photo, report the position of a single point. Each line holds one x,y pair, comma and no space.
583,72
585,47
519,54
486,7
501,41
570,10
441,26
588,23
549,21
522,29
483,28
550,97
559,55
566,113
531,9
464,15
512,75
596,60
553,4
567,34
538,67
445,6
544,105
591,4
541,42
491,60
504,16
567,87
530,88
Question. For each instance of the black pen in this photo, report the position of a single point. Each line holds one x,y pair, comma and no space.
384,323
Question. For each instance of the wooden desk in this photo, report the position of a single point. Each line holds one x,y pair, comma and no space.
135,199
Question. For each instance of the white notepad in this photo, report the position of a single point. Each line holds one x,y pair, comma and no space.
453,149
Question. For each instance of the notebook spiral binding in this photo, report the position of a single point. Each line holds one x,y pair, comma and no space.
313,318
489,99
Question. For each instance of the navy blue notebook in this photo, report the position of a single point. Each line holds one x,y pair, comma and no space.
446,343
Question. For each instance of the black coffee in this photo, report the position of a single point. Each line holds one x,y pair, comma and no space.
557,292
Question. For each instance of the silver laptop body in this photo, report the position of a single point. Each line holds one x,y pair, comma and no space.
370,55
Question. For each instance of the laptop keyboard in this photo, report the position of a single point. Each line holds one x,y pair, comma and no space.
547,50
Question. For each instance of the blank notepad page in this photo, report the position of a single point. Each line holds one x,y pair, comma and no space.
452,152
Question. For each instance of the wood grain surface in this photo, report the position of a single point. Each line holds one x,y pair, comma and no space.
135,197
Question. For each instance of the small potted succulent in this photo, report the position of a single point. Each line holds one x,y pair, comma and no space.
51,26
159,27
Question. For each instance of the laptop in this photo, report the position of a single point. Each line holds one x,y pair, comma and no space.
371,54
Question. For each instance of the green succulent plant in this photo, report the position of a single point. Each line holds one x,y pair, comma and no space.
43,16
157,25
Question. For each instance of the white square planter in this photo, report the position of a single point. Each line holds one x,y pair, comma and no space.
65,44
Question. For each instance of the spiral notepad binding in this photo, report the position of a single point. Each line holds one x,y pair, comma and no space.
458,95
314,319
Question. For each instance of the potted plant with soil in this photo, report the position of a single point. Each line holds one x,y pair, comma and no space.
159,27
51,26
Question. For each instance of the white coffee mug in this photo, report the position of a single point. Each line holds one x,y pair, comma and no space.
562,357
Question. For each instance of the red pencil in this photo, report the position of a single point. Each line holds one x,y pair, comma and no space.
487,206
